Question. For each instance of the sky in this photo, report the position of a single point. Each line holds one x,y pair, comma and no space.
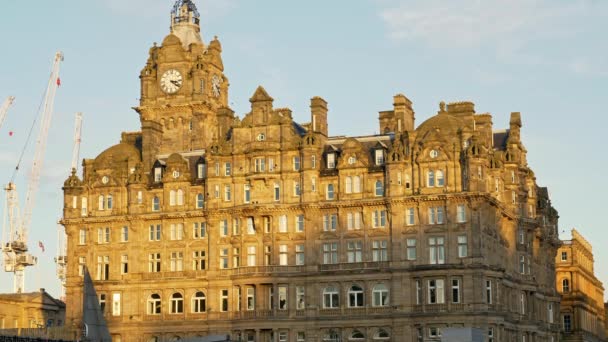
547,59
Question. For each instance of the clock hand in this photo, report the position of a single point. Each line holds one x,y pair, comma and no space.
175,82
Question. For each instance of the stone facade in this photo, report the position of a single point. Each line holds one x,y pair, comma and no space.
270,230
582,308
30,310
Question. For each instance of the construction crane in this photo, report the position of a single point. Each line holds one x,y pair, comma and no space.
61,258
14,249
4,108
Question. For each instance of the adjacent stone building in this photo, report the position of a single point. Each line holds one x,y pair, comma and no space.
30,310
582,307
272,230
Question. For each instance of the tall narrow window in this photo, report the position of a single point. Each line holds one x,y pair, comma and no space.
102,202
283,224
223,258
236,257
379,218
348,185
550,312
461,214
379,157
154,304
199,230
567,323
251,256
313,162
82,236
379,188
296,188
296,163
313,184
565,286
155,204
224,227
180,197
110,202
83,204
299,223
124,264
489,291
300,300
440,178
430,179
330,192
436,250
331,160
409,216
411,249
462,246
356,184
177,261
227,193
227,169
250,226
199,260
436,291
250,298
124,234
455,291
177,303
172,196
154,262
223,300
277,192
81,265
355,296
199,302
283,298
283,255
246,193
300,255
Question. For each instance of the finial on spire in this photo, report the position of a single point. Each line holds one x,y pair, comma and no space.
185,23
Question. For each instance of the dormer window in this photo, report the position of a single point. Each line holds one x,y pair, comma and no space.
331,160
201,168
158,174
379,156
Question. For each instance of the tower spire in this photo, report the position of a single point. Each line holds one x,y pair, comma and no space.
185,23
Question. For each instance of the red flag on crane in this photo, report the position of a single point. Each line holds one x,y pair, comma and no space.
41,245
58,81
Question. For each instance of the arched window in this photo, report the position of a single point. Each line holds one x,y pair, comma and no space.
330,191
565,286
379,188
440,178
380,295
357,335
102,202
172,197
154,304
109,201
381,334
156,204
356,184
349,185
430,179
331,297
177,303
200,201
355,296
199,302
180,197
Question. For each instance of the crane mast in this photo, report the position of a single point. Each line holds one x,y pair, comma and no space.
61,258
4,108
15,251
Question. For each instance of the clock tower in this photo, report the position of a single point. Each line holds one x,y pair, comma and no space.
184,92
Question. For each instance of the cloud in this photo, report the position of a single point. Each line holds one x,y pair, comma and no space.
504,24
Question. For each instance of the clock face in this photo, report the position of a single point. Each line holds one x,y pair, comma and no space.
171,81
105,179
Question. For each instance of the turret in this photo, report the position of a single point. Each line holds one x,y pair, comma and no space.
185,23
400,119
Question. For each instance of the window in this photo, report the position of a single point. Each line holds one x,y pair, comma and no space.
271,165
217,169
82,236
250,226
116,304
180,197
513,197
103,267
522,303
565,286
522,264
379,218
251,256
177,303
283,224
282,336
81,265
567,323
260,164
353,251
124,264
379,188
236,257
461,214
356,184
300,255
266,224
155,204
462,246
381,334
355,296
299,223
380,295
489,291
330,253
246,193
177,261
199,302
331,160
227,193
313,184
172,198
440,179
200,201
521,239
435,291
155,232
296,163
353,221
201,170
124,234
198,260
102,302
177,231
379,156
216,191
102,202
330,192
199,230
357,335
268,255
103,235
550,312
434,332
455,291
300,336
109,201
349,185
313,161
224,300
331,298
430,178
330,222
277,192
236,226
154,262
380,250
223,258
436,250
436,215
282,297
564,256
409,216
250,298
283,255
227,169
154,304
223,227
490,334
411,249
300,298
158,174
407,181
418,292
